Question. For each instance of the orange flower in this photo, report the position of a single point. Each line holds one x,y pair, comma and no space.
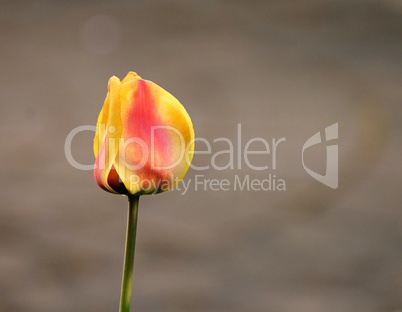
144,138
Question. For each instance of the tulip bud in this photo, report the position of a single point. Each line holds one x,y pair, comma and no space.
144,138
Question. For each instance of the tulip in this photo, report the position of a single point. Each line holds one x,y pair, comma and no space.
144,144
144,138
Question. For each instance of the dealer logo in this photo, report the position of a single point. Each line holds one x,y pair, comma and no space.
331,168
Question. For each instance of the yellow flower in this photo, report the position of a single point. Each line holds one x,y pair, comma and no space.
144,140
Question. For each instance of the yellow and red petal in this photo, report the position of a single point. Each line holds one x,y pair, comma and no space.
151,139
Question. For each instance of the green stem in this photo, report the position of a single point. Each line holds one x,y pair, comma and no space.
126,286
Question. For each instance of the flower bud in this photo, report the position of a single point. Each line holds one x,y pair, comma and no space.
144,138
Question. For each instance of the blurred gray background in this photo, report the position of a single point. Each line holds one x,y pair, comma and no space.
280,69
